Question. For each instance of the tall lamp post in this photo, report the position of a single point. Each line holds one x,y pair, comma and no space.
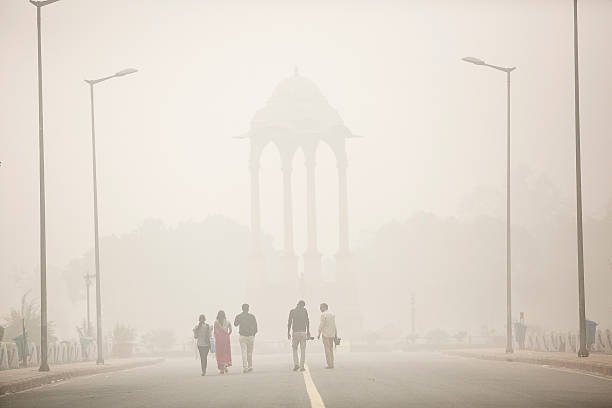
583,351
507,70
44,365
91,83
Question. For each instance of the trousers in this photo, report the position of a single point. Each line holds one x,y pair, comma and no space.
299,338
246,347
328,344
203,357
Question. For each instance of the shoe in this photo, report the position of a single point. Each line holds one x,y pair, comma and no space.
302,369
296,368
221,371
203,374
249,369
226,370
245,370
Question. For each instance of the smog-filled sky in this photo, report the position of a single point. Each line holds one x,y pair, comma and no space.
432,148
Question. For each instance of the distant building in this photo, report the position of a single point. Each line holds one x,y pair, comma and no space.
298,116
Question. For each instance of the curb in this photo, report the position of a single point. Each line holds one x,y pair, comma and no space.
588,366
53,377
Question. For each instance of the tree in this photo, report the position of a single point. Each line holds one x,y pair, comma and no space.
159,339
123,334
460,336
437,336
29,316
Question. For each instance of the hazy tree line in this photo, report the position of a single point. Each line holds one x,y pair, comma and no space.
456,266
159,277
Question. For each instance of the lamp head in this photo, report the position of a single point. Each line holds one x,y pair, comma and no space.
126,72
42,2
473,60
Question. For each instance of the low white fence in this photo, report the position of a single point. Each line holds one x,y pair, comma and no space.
58,353
64,352
9,356
567,342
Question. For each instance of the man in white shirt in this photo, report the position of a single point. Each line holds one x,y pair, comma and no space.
327,328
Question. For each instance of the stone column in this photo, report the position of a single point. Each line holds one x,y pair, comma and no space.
347,291
312,257
255,211
311,207
288,259
343,208
342,257
257,275
288,210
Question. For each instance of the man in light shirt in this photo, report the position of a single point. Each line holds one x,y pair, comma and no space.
327,328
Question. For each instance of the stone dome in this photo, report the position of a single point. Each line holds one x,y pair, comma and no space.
297,107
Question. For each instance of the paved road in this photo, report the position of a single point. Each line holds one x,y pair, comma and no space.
359,380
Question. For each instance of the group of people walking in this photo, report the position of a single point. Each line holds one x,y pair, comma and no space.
298,331
221,331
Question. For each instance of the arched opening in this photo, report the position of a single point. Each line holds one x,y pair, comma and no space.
327,208
271,204
299,208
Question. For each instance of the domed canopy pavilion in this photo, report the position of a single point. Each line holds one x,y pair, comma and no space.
298,116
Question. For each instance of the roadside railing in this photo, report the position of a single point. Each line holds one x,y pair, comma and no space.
9,356
568,342
58,353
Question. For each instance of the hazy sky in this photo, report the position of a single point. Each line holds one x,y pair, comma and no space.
433,126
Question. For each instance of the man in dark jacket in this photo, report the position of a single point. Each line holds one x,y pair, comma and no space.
299,322
247,328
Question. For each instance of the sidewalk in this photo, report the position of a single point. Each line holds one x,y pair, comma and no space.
596,363
21,379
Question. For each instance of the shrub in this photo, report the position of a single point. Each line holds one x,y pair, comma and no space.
159,339
123,334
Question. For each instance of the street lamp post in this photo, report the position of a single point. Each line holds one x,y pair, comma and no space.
91,83
507,70
583,350
44,365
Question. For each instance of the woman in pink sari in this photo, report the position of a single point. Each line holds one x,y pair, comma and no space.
223,351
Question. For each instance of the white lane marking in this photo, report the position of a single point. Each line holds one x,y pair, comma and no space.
315,398
578,371
547,366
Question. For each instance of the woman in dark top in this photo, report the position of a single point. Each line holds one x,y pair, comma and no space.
202,333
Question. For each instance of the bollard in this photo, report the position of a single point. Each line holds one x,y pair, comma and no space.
13,355
4,365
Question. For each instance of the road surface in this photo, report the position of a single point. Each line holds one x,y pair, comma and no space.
359,380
